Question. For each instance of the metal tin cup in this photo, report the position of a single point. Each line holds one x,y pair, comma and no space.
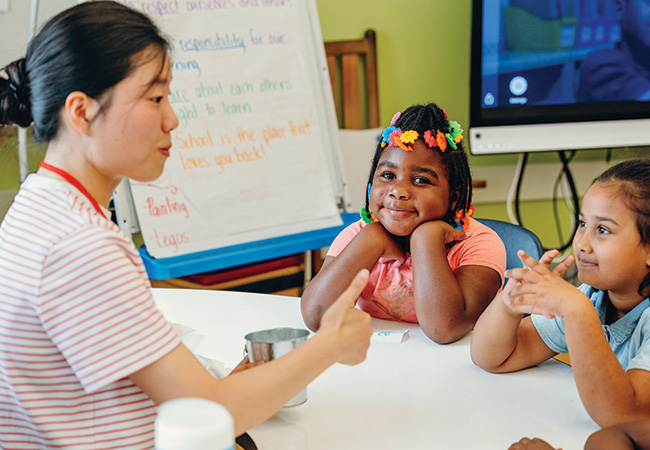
267,345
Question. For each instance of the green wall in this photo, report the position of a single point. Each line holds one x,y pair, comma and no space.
423,49
9,169
423,55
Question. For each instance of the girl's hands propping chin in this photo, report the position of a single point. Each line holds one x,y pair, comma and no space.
382,238
438,230
536,290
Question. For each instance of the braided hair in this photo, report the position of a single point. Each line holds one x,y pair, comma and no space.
430,117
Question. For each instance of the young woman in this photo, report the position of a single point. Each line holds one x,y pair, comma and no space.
85,356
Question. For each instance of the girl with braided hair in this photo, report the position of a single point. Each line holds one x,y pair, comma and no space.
430,262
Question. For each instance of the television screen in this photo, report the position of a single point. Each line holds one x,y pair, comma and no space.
559,75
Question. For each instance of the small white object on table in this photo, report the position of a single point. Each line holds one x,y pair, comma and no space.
410,395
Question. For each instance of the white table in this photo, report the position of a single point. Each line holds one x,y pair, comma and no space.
413,395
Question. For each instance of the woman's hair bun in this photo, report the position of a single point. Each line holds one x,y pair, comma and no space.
15,106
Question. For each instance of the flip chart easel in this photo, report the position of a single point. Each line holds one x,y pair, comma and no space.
255,170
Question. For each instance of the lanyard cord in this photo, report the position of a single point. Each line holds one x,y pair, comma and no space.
73,181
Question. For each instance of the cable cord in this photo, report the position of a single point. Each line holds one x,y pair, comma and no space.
511,191
570,210
566,172
513,187
562,182
518,190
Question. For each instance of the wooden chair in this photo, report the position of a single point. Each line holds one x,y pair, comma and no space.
353,64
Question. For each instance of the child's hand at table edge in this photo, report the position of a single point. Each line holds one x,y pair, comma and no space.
349,327
536,290
531,444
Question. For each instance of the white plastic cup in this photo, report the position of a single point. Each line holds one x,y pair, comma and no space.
267,345
193,423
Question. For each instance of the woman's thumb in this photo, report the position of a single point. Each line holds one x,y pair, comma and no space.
349,297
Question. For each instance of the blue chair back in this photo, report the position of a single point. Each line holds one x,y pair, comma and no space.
515,238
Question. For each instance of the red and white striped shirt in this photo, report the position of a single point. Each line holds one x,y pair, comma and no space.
76,319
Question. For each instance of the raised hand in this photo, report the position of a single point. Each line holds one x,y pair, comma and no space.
350,327
546,260
536,290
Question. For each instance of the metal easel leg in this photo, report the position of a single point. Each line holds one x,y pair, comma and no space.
308,269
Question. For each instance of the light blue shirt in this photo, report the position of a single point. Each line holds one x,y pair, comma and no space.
629,336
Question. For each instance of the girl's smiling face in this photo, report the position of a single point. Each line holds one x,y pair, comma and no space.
409,188
607,245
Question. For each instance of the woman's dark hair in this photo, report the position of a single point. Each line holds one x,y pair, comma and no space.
89,48
632,178
430,117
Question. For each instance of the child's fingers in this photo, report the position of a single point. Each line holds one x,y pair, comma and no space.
531,444
531,262
522,289
524,304
461,235
396,255
401,259
515,274
453,234
548,257
563,266
524,299
523,275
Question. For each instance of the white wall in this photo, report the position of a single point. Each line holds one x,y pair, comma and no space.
14,24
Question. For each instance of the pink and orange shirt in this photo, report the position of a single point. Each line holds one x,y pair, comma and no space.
389,293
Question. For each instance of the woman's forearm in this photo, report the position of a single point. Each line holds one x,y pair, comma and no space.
252,396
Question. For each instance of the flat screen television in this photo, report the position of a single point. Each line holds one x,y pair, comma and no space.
559,75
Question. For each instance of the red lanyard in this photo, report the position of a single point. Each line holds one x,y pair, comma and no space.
73,181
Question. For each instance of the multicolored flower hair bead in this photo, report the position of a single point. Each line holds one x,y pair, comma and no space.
461,221
367,215
433,138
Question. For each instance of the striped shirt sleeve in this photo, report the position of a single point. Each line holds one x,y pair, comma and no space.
97,308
